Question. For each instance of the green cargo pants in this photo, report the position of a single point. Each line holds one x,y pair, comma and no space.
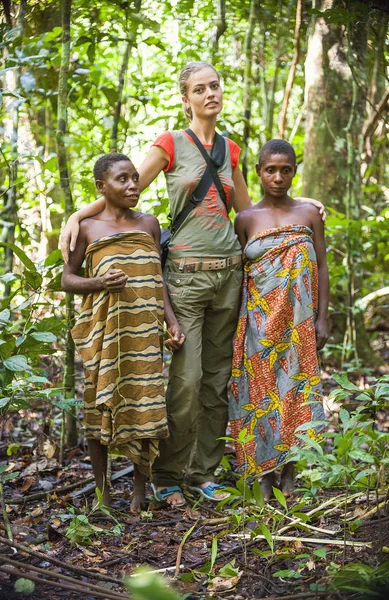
206,304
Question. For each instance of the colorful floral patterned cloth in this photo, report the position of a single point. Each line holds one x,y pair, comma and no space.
275,384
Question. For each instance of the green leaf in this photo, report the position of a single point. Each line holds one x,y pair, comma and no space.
6,348
44,336
21,255
16,363
229,570
287,573
266,534
5,316
280,497
34,279
320,552
54,257
258,493
24,586
213,552
4,402
37,379
344,382
111,95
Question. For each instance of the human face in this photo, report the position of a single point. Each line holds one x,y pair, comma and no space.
120,186
276,173
204,94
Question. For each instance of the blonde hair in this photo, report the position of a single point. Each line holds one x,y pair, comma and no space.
186,72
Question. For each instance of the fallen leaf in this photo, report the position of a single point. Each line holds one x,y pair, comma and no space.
190,513
310,564
220,584
44,464
27,483
49,448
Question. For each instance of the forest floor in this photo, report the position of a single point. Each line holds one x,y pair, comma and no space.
205,551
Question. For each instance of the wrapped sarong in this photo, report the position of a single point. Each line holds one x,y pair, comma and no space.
118,336
275,383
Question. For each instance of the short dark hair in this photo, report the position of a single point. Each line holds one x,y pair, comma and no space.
276,147
105,162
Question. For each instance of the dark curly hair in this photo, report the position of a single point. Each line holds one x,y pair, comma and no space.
105,162
276,147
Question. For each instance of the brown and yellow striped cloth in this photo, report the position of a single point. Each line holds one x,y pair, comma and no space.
118,336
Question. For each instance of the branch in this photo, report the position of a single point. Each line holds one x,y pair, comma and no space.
221,25
118,107
292,70
372,122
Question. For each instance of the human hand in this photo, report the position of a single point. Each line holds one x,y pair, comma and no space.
322,333
176,337
316,203
114,280
69,234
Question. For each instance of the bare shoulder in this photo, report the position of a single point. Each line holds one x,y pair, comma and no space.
149,223
310,210
86,227
146,218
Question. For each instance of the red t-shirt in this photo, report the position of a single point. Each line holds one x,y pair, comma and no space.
166,141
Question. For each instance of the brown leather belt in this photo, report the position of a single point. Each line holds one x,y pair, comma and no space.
190,265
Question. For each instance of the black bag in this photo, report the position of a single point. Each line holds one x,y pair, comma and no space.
213,162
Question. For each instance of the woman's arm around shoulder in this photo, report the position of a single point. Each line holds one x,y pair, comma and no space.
240,198
240,227
314,202
69,234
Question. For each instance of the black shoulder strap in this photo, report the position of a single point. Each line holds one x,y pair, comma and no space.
214,161
218,153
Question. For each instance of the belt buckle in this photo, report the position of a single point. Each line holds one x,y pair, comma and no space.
190,268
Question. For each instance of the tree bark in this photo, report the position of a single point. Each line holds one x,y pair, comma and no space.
220,27
292,70
335,98
10,210
247,83
70,421
118,107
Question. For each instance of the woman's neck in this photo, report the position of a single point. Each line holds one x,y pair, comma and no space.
204,129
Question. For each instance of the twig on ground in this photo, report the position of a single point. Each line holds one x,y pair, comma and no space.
59,563
88,586
107,595
4,511
85,491
291,538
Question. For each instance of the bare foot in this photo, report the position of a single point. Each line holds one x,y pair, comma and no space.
106,499
267,484
139,494
287,486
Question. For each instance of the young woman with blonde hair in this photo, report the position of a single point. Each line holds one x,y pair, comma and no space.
203,274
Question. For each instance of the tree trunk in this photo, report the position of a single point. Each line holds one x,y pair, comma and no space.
335,99
118,107
71,428
10,210
220,26
247,83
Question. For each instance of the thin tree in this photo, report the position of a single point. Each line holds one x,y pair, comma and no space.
247,84
292,70
10,210
70,421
